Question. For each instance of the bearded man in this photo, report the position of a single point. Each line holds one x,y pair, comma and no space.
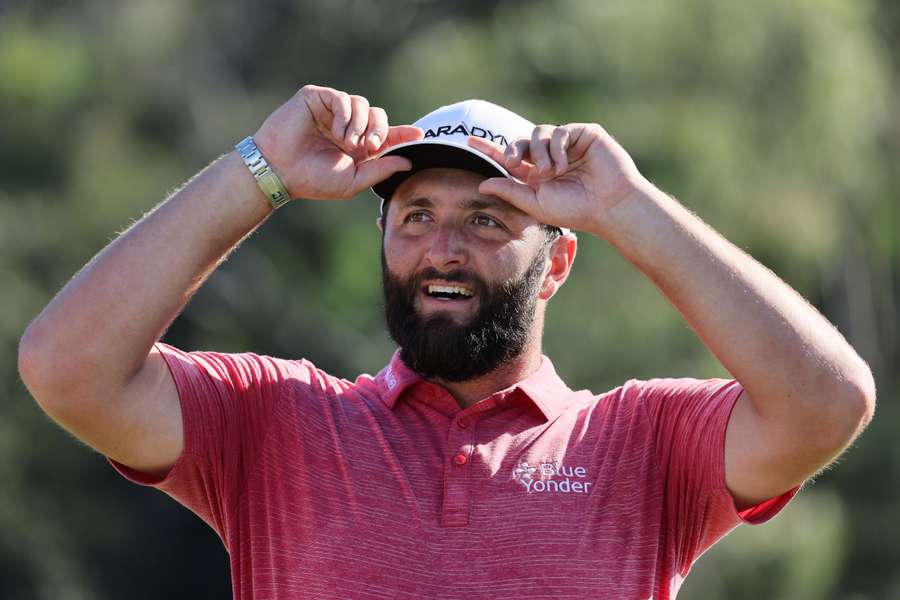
466,468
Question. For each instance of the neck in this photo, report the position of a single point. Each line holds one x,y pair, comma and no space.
509,373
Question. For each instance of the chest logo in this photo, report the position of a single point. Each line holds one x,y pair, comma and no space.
551,477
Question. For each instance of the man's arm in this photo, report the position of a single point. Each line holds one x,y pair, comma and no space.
807,394
87,357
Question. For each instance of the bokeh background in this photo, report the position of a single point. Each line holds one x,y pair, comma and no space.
776,121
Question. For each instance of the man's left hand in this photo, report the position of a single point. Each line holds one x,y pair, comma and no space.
568,175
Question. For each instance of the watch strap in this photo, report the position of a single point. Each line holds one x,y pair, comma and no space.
266,177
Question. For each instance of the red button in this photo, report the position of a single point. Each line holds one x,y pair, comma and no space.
462,423
429,391
460,459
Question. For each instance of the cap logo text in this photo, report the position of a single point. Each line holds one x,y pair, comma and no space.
473,131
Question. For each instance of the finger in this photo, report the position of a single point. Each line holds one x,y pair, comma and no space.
582,135
517,152
372,171
510,158
496,153
377,130
339,105
400,134
539,149
359,119
522,172
518,194
328,110
559,145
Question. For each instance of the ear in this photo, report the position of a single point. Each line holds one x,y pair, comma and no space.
380,223
562,256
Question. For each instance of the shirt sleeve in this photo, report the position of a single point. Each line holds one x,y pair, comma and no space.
689,418
226,405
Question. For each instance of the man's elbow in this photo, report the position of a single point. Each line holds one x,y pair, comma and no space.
32,368
28,360
852,403
42,371
864,393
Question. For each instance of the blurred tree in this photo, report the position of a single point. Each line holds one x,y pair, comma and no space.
775,121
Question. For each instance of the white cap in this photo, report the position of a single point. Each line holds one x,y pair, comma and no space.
446,145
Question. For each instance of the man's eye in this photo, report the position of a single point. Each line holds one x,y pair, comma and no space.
416,217
485,221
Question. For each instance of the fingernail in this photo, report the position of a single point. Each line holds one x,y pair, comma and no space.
354,139
375,140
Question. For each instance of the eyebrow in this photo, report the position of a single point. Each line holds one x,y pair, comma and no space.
469,204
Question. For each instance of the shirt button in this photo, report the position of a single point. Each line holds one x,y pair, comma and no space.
430,391
462,423
460,459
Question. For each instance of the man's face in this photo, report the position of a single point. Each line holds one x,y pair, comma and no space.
461,275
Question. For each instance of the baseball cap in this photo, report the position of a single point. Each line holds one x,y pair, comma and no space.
447,130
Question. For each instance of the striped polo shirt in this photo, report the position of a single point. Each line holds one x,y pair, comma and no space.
383,487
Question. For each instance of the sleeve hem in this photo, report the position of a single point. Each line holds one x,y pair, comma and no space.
148,479
763,511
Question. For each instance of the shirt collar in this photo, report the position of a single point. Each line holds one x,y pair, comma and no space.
395,378
543,387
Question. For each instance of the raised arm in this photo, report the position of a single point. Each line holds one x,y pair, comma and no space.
87,358
807,394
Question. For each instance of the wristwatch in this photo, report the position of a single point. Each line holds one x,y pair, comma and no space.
267,179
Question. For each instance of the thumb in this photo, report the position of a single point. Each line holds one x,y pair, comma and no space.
370,172
518,194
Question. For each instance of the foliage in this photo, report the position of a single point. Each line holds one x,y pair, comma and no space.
775,121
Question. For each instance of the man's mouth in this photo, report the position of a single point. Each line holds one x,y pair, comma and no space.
450,296
448,293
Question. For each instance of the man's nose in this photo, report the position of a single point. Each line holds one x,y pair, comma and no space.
447,248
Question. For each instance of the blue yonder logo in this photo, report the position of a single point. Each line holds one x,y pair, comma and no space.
551,477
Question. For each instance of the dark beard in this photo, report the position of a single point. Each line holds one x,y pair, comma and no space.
440,348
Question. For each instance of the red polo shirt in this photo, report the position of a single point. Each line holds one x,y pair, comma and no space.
321,487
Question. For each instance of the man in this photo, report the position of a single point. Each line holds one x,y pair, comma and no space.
466,468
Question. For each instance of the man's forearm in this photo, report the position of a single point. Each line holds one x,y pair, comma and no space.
788,357
97,332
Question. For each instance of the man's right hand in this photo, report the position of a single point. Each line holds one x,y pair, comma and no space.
321,143
88,358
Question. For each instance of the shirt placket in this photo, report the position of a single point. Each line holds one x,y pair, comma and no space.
458,464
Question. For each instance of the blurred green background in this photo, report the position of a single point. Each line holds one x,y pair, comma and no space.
776,121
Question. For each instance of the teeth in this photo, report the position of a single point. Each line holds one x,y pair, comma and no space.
449,289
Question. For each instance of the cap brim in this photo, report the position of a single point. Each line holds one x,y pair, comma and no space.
436,154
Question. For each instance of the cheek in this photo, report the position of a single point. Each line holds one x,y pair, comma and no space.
501,265
398,255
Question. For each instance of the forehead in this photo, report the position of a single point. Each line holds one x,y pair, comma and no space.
448,188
